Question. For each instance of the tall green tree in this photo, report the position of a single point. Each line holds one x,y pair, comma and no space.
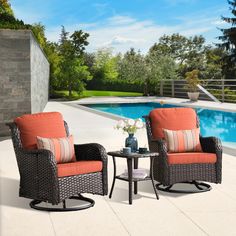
5,8
229,35
160,68
187,52
132,69
72,71
7,18
105,66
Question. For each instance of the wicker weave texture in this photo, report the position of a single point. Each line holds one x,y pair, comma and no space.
38,172
171,174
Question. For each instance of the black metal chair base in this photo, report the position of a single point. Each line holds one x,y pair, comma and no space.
200,187
33,204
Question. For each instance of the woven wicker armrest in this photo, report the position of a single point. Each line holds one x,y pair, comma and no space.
38,173
160,146
211,144
90,151
39,161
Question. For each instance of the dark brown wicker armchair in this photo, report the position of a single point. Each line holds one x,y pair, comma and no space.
169,174
39,175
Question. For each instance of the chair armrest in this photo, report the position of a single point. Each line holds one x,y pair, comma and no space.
211,144
90,151
93,151
38,171
160,146
40,162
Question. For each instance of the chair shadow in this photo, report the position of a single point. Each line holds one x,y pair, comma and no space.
3,138
179,186
10,194
148,188
121,194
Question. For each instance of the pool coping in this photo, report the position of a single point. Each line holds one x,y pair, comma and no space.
226,149
228,107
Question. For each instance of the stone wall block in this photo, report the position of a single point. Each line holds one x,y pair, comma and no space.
24,76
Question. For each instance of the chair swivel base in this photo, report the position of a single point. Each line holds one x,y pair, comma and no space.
34,204
200,187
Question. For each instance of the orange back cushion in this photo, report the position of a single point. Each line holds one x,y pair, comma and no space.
46,124
180,118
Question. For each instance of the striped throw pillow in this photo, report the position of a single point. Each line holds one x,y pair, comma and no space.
62,148
183,140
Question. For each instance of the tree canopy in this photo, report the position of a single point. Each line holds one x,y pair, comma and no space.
71,69
229,35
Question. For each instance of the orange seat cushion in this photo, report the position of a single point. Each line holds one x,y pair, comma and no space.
191,157
46,124
78,168
180,118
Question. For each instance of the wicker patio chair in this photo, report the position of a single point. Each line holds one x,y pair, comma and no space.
168,174
39,174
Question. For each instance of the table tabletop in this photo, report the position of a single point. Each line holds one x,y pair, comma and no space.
133,154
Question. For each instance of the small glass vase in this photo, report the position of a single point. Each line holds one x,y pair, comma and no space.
132,142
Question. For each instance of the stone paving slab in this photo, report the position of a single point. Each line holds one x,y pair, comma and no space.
211,213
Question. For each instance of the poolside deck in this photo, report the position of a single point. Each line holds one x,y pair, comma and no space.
210,213
231,107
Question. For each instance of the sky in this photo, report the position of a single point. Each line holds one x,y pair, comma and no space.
121,24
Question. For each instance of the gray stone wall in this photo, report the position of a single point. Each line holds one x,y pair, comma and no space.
24,76
39,71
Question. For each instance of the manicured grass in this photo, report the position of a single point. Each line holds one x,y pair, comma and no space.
95,93
90,93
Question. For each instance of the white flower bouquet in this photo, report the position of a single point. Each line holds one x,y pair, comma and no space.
130,125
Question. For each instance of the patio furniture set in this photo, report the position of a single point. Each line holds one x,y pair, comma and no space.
53,169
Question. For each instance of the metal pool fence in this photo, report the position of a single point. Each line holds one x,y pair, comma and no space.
224,90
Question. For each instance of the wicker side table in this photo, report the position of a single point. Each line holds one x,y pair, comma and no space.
130,158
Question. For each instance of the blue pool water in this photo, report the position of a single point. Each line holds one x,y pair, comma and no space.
212,122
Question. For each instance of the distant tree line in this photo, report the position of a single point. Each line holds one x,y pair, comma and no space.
171,57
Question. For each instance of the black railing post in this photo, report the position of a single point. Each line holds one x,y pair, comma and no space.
173,88
223,88
161,88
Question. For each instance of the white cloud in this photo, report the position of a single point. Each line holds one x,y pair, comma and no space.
194,31
120,20
119,40
218,22
123,32
120,32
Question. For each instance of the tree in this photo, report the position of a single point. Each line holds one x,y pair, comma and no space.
39,33
160,68
187,52
7,18
229,43
5,8
72,71
105,66
132,69
212,66
54,58
229,34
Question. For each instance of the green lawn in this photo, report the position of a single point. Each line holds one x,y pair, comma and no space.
95,93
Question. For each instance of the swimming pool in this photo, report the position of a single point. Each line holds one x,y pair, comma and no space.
212,122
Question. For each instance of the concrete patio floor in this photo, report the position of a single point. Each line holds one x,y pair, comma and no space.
209,213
